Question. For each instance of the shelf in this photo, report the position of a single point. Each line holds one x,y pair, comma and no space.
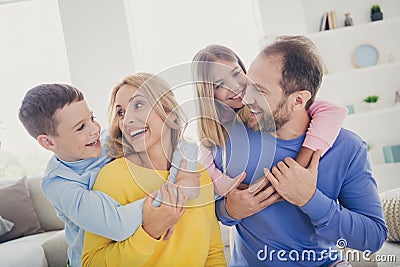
385,166
11,1
354,29
337,46
366,70
375,112
351,87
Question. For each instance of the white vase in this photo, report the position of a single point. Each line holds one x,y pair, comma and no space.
372,106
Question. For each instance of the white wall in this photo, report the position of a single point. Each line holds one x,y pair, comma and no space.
32,51
98,47
171,32
285,16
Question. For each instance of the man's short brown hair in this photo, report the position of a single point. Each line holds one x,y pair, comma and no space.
300,62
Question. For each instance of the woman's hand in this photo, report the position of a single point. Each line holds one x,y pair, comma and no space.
157,220
189,181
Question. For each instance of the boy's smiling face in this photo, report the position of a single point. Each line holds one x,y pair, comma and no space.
78,133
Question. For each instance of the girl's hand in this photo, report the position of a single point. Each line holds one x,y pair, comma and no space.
157,220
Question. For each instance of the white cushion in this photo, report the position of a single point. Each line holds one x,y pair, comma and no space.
22,255
391,207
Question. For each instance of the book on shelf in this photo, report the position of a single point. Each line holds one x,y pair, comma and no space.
323,24
328,21
333,12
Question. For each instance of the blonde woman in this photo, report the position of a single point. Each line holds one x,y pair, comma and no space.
220,82
143,138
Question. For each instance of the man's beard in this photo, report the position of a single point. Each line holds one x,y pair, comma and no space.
271,122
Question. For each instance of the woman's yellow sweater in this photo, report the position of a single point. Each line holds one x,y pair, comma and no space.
196,240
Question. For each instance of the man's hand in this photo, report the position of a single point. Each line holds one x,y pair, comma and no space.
189,181
294,183
157,220
244,203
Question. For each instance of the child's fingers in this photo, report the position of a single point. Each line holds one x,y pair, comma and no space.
257,184
238,179
260,186
182,208
165,195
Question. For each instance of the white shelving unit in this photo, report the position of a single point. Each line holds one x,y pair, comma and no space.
345,84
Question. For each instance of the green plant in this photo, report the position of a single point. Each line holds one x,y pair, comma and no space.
375,9
371,99
369,146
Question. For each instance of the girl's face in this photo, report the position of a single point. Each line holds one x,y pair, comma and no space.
141,126
229,83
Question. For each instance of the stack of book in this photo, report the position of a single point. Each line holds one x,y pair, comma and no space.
328,21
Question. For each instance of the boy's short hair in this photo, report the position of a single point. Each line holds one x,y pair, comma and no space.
41,103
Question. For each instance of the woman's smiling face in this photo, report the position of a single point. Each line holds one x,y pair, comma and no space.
141,126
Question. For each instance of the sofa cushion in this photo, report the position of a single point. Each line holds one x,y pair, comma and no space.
5,226
16,206
38,239
47,216
22,255
391,208
55,248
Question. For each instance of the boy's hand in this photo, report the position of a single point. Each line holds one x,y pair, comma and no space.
157,220
189,181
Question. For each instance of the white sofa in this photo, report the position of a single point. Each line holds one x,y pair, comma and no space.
45,248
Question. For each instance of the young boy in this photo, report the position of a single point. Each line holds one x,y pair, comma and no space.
58,117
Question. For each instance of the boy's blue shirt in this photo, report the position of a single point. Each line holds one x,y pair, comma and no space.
68,186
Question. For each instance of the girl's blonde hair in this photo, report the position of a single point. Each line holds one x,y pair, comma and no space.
210,110
164,104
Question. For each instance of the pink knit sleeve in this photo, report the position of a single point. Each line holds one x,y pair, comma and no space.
222,182
326,120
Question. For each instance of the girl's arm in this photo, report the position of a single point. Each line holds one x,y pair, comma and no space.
326,120
222,182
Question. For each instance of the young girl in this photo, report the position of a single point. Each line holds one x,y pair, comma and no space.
143,138
220,87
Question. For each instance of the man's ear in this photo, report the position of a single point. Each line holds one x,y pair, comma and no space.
299,99
46,142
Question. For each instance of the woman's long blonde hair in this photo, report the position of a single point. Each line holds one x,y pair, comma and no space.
164,104
209,124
